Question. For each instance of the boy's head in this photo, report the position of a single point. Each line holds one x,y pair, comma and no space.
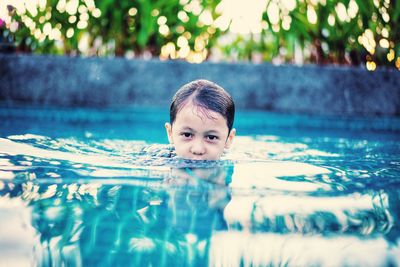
201,121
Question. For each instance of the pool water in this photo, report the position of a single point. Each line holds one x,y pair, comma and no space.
86,187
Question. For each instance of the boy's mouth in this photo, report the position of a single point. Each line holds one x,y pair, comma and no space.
197,158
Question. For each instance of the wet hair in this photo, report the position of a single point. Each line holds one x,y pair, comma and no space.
204,94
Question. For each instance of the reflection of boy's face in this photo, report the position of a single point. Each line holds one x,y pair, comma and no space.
216,178
198,133
215,175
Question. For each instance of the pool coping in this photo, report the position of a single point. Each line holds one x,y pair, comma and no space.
43,80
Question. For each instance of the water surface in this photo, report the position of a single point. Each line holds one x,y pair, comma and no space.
95,187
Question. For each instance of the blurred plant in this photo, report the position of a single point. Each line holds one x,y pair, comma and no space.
319,31
166,28
298,31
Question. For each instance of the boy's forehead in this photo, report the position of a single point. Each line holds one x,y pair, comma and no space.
191,109
192,114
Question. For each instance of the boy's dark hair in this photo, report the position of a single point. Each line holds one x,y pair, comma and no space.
207,95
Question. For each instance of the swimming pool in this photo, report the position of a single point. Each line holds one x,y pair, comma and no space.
91,187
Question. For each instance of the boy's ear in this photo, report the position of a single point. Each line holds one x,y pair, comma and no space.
168,128
229,140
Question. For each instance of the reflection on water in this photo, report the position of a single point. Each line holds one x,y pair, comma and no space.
93,224
66,202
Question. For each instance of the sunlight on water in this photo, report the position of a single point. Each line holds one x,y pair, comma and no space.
232,248
17,235
270,201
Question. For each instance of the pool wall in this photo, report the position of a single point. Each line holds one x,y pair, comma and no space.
103,82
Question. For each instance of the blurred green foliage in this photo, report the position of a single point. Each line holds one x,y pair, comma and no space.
350,32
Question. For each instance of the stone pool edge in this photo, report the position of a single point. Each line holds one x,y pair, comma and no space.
104,82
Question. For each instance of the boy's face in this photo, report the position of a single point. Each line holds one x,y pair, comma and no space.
198,133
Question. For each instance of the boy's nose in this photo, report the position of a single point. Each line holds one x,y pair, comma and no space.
198,148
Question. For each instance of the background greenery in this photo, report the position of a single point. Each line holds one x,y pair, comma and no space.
348,32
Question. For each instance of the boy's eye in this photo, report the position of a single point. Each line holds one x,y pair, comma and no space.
212,137
187,135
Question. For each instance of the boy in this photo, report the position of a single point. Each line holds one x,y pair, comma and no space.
201,120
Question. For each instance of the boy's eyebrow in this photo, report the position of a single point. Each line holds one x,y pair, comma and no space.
212,132
207,132
188,129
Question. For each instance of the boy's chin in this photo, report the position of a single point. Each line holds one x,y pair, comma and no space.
198,158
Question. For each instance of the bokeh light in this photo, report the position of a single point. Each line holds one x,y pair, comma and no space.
261,30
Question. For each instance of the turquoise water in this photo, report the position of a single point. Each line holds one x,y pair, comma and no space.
84,187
